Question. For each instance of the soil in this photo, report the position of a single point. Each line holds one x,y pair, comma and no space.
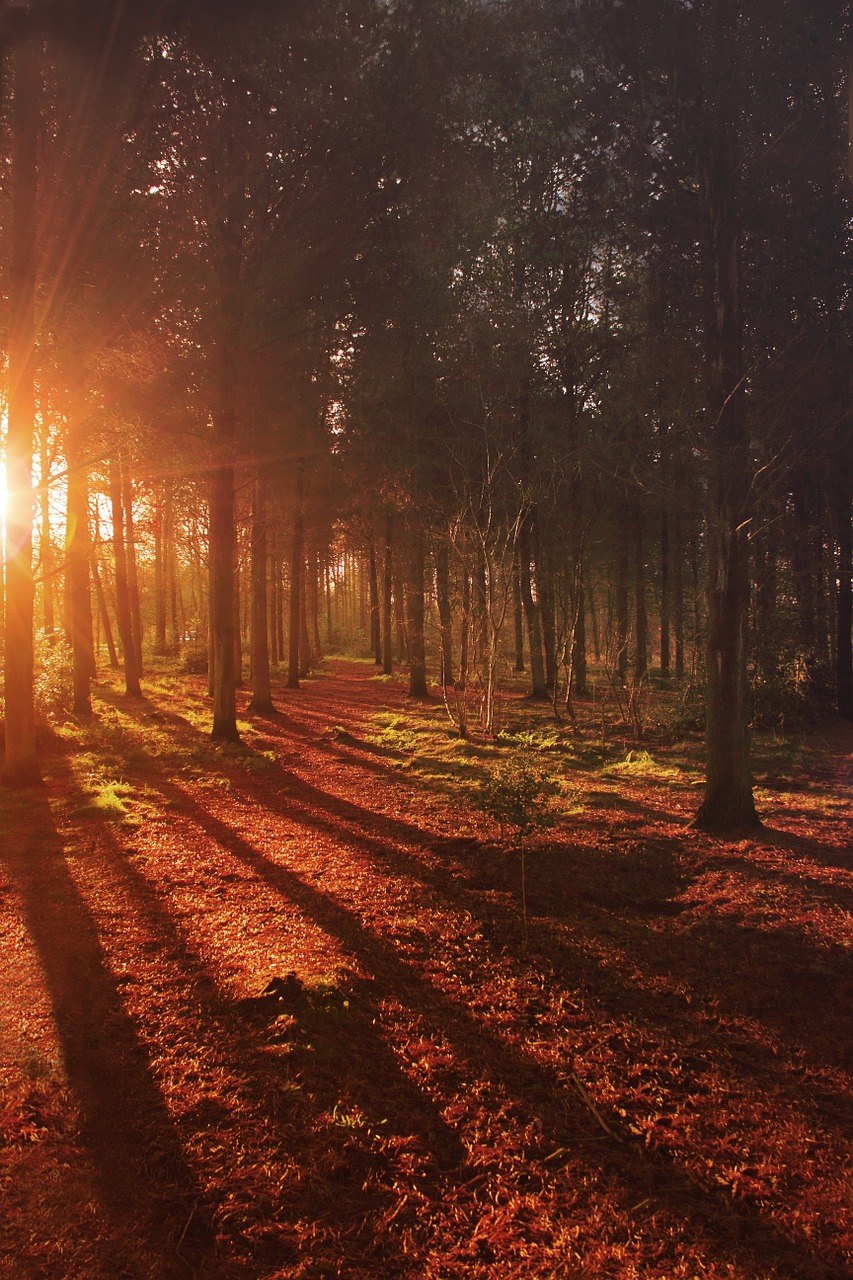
272,1011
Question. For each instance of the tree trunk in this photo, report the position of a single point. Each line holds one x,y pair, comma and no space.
238,633
314,601
125,631
728,802
132,568
78,596
104,612
21,766
387,596
260,655
296,571
223,539
46,555
678,597
306,659
160,574
641,624
464,647
665,648
844,600
531,613
375,628
545,594
445,618
591,598
415,599
400,615
176,627
622,596
518,613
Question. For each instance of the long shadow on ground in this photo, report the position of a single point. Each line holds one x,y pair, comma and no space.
629,1169
153,1199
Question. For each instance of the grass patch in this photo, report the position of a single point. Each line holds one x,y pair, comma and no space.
111,800
393,733
641,765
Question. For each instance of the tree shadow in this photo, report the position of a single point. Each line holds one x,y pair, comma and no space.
153,1199
304,804
735,1229
828,855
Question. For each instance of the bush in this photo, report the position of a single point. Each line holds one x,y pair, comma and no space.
194,660
54,687
784,705
518,795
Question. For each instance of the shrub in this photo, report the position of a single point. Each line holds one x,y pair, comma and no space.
53,688
518,796
194,660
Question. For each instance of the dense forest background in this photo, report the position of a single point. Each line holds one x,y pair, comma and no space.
471,336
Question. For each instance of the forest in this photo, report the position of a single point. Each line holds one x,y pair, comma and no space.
427,633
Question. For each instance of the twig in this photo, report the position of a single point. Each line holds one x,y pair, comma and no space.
591,1107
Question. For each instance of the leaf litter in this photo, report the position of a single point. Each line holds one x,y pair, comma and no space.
289,1024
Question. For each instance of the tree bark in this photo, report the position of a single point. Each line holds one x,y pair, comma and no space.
678,597
445,617
518,613
728,803
104,612
641,623
415,600
125,630
223,540
296,572
531,613
622,596
387,596
160,574
46,554
238,633
665,647
132,568
375,628
21,765
545,593
844,600
78,596
176,627
260,655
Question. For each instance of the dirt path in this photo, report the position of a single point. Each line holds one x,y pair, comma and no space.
655,1086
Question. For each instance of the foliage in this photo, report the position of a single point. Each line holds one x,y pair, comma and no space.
784,705
194,660
53,677
640,764
518,795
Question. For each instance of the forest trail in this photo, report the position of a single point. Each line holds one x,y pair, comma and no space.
656,1084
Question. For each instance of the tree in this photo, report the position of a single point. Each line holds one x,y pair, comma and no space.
21,767
728,802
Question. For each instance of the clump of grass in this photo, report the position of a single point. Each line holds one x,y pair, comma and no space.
532,739
640,764
393,733
110,799
259,761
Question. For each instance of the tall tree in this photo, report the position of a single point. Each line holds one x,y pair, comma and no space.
728,802
21,767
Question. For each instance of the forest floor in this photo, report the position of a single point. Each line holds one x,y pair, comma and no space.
655,1082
